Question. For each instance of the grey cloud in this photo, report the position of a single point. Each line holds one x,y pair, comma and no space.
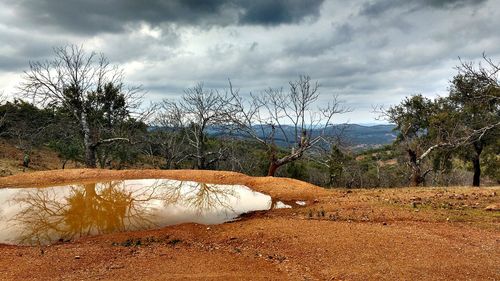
136,46
95,16
452,3
377,8
8,63
341,34
168,46
23,47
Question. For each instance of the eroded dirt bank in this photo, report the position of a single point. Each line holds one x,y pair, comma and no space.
391,234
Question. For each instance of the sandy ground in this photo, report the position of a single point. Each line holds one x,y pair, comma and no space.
378,234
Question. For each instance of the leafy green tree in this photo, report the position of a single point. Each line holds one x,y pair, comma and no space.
121,154
467,121
491,161
336,166
475,95
26,124
412,118
3,115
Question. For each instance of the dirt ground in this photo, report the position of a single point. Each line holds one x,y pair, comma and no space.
367,234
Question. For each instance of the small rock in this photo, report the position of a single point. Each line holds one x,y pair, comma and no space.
384,223
77,257
493,207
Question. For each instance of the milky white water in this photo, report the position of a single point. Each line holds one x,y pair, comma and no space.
61,213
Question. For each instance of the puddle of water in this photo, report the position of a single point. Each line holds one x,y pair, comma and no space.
281,205
300,203
40,216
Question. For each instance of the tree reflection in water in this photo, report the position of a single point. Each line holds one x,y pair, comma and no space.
87,209
201,197
49,214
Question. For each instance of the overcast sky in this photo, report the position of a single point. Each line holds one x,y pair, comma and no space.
368,51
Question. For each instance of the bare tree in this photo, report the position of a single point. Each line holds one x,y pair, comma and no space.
198,111
3,98
168,136
289,118
77,81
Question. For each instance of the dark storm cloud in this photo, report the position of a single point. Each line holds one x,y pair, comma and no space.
19,47
265,12
452,3
94,16
376,8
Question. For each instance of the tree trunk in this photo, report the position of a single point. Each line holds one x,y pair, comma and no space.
200,164
90,158
90,150
273,160
200,151
476,180
168,158
275,163
476,164
273,166
168,163
416,176
90,191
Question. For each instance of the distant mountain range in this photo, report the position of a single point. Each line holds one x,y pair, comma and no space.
357,136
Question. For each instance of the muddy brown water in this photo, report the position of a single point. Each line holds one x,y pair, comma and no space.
41,216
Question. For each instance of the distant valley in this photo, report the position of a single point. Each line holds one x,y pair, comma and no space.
357,137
